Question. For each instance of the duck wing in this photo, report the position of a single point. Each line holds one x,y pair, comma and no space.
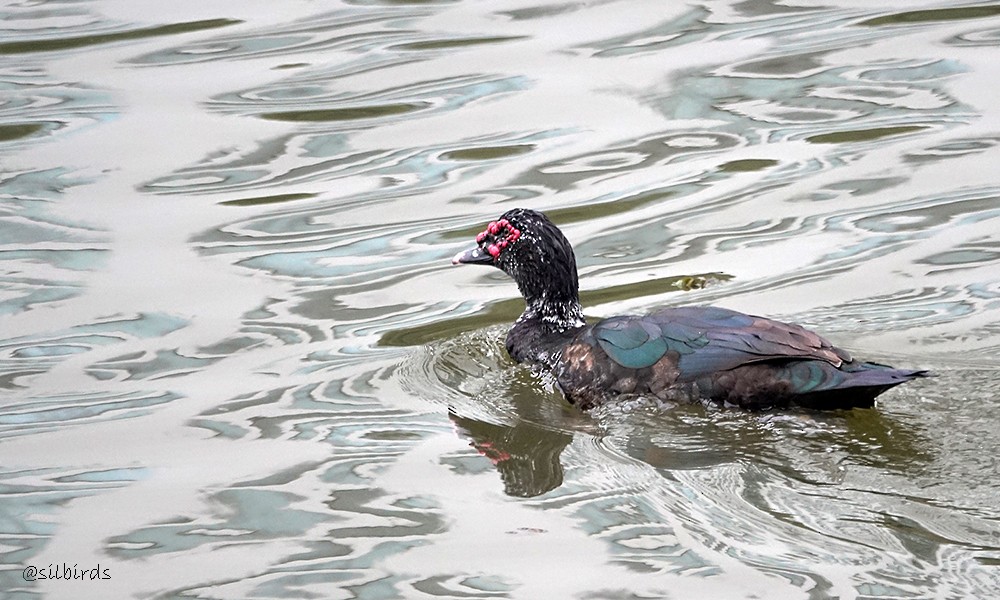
705,339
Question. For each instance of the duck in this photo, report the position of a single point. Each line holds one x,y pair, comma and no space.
684,354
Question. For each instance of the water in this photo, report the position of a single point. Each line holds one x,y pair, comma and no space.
235,361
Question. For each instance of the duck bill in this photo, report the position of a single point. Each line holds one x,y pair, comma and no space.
472,256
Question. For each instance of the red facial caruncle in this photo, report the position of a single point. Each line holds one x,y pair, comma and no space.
495,229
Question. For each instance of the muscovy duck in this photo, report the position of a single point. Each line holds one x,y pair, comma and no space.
686,354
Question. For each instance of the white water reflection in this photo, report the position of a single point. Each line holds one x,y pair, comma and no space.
234,361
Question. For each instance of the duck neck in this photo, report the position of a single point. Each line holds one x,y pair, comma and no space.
552,316
547,279
551,296
542,330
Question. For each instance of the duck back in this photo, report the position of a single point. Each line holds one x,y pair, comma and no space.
708,353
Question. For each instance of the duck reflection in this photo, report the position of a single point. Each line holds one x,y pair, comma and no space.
525,454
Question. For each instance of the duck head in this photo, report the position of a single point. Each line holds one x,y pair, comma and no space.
526,245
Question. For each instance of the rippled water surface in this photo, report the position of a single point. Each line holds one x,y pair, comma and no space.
235,361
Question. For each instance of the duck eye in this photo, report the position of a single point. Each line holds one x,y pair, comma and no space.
497,236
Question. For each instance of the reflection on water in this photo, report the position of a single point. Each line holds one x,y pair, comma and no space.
234,361
526,455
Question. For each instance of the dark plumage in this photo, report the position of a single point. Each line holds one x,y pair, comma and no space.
675,354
